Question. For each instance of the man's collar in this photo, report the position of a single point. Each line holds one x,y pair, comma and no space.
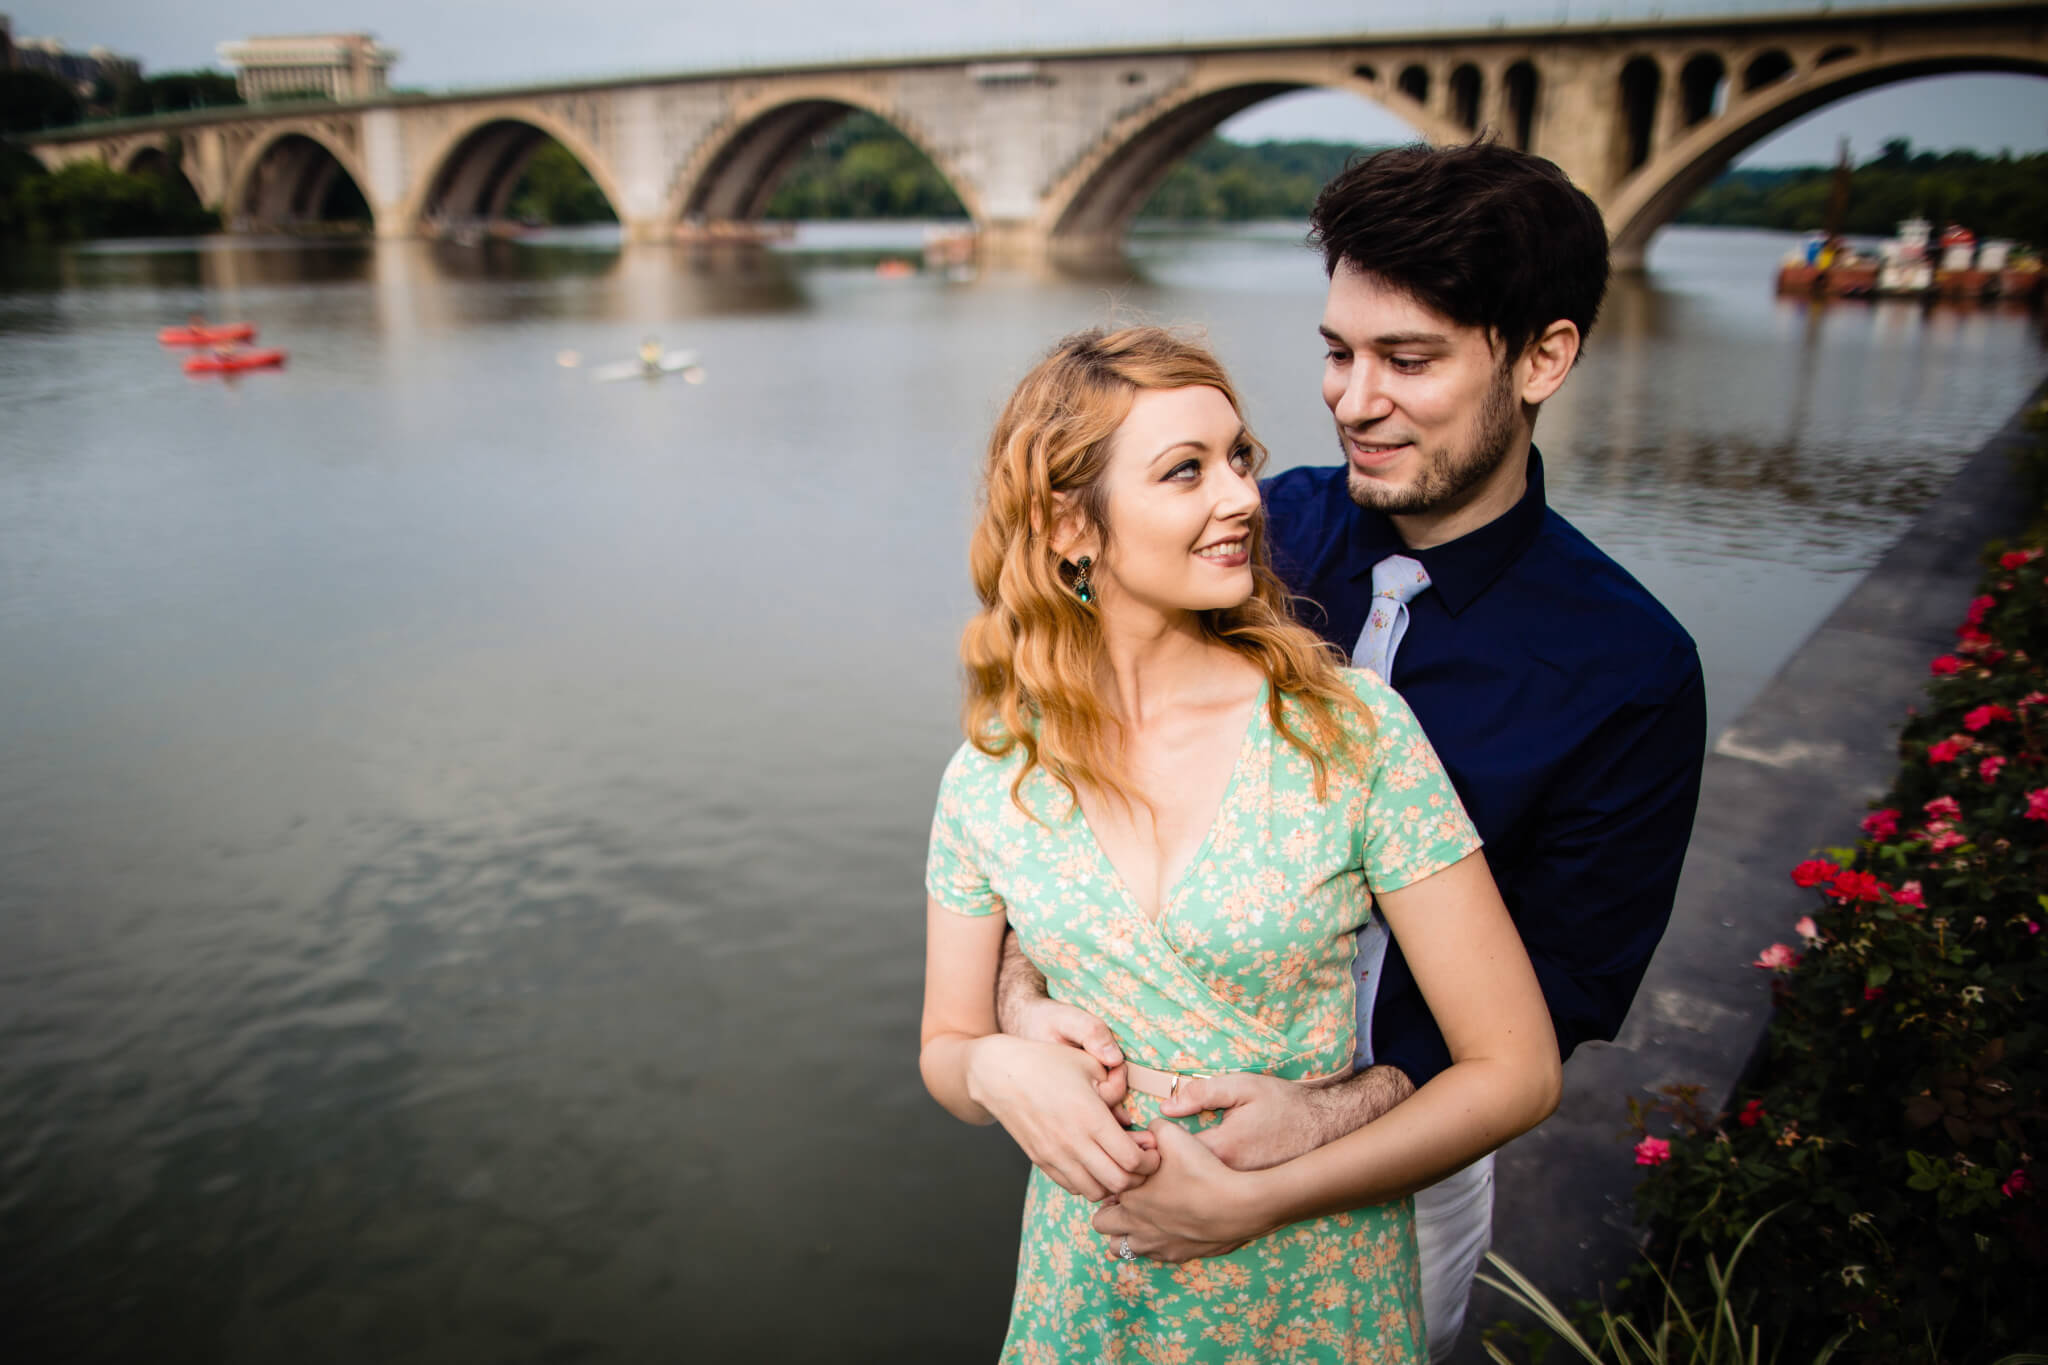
1461,569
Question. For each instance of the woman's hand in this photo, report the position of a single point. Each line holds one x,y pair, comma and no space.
1192,1206
1058,1103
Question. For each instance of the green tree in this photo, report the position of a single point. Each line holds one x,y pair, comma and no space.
1235,182
175,91
31,101
557,189
90,199
864,168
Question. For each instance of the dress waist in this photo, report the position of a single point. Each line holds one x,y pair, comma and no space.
1162,1085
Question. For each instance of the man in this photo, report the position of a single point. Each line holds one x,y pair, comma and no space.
1566,703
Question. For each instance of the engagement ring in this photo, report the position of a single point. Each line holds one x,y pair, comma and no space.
1124,1251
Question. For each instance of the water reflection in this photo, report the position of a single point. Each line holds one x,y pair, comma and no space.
460,823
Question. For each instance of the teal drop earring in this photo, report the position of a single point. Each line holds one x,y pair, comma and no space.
1082,589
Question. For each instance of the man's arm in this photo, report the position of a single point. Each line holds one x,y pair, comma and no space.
1592,897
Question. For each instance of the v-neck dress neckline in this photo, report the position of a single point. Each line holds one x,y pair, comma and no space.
1108,867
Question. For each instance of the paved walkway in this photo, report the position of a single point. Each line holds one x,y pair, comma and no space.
1794,773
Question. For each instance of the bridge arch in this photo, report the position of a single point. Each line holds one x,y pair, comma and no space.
1663,186
734,170
152,160
474,166
285,177
1087,211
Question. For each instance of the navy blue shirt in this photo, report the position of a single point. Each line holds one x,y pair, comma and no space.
1568,707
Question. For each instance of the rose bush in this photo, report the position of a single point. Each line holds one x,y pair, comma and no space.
1898,1118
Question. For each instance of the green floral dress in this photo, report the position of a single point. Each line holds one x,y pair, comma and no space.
1248,968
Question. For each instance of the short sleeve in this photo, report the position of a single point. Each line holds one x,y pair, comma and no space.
953,871
1415,826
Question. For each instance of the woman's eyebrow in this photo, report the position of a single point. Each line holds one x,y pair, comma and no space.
1198,444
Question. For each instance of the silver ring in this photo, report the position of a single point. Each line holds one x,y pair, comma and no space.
1123,1250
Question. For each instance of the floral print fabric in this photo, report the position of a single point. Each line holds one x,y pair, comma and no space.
1247,968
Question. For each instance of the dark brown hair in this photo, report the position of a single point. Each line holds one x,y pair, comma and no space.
1483,234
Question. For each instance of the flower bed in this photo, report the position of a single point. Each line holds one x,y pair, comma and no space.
1898,1120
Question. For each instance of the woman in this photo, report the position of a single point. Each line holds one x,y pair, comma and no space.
1185,806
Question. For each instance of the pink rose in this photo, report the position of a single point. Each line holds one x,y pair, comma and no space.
1652,1151
1942,836
1943,808
1988,769
2037,805
1777,957
1881,824
2012,1187
1909,894
1807,929
2034,699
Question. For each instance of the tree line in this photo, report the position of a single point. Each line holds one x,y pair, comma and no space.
2001,196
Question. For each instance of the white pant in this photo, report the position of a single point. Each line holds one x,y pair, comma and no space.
1453,1229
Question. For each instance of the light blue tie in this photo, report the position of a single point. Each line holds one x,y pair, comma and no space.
1395,581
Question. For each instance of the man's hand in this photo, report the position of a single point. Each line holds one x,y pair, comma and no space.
1267,1120
1057,1103
1024,1010
1192,1206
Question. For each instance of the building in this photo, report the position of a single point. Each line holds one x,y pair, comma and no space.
339,66
86,72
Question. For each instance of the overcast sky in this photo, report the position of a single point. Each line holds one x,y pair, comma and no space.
446,43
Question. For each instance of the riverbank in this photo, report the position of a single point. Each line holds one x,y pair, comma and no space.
1792,774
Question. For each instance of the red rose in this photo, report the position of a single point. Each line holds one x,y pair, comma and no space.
2014,559
1751,1112
1988,769
1813,872
1985,715
1881,824
1978,606
1946,664
1849,887
2037,805
1945,751
1909,894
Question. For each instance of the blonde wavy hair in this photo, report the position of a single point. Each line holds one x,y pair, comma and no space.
1034,652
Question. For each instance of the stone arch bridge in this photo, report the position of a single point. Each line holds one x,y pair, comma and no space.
1054,153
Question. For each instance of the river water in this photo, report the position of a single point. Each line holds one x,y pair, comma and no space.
461,824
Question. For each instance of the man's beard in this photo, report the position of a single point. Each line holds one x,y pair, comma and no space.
1449,482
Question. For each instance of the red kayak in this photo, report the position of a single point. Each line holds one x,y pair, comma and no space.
207,336
240,360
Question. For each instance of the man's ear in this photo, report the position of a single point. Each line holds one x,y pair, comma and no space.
1547,360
